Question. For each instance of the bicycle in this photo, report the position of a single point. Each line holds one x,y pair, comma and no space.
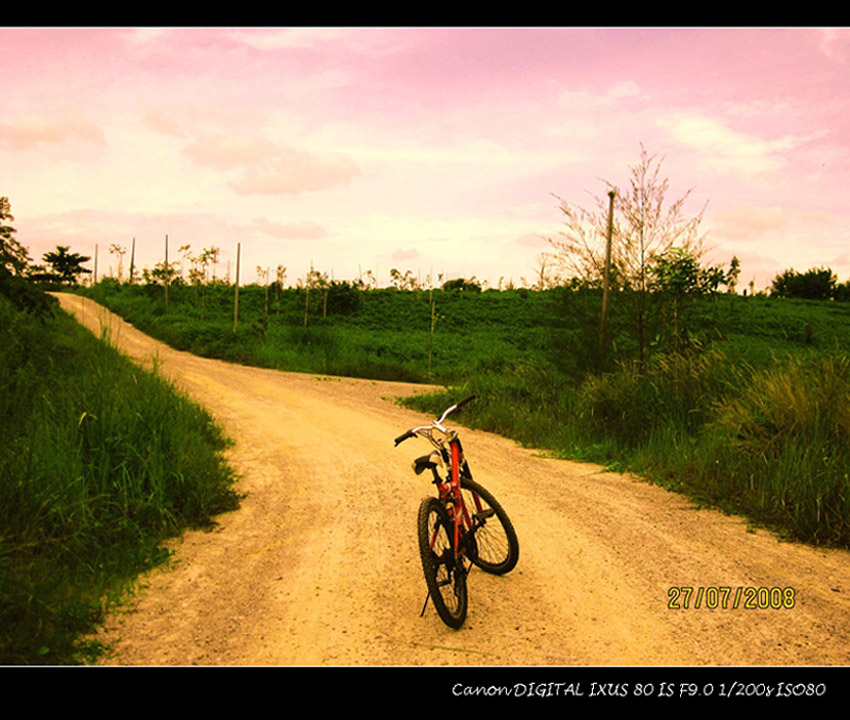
461,527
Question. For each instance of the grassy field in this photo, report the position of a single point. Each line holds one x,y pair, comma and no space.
101,461
382,334
746,409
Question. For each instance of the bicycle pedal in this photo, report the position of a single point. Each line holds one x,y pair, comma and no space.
484,514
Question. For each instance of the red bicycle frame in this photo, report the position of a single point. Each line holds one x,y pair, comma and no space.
452,498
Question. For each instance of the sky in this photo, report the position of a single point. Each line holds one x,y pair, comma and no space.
441,151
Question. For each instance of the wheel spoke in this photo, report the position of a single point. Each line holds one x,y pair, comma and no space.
447,586
494,545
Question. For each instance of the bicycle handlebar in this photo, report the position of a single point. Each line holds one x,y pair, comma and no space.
412,433
402,438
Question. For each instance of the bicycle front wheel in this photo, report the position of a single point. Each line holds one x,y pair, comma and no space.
444,573
495,548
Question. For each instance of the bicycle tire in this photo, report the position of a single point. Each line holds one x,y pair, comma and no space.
445,579
496,548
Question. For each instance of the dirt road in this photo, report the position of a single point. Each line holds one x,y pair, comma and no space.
320,565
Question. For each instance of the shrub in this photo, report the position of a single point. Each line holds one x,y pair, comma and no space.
814,284
789,435
628,406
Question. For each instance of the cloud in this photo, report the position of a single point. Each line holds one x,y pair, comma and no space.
143,36
729,150
183,120
372,42
296,230
769,239
835,44
580,101
628,88
292,172
278,39
405,254
750,222
270,169
533,241
757,108
163,123
747,221
29,131
226,152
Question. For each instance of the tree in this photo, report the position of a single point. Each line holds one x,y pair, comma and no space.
160,274
13,256
366,281
645,225
116,249
677,276
731,280
280,277
280,274
408,281
343,298
14,259
815,284
184,252
198,273
463,285
733,274
842,291
65,266
546,276
315,279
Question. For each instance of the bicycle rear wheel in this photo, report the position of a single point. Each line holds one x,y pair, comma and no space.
444,575
495,548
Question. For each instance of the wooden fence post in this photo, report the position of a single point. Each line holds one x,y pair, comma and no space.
165,280
132,259
236,289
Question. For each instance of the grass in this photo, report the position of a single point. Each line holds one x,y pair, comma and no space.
770,444
386,337
749,414
101,461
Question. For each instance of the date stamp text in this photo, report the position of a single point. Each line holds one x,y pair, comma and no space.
731,598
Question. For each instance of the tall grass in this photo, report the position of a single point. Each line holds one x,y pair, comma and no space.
99,462
772,444
784,443
678,390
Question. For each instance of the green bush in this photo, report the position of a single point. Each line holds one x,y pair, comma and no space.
788,440
630,405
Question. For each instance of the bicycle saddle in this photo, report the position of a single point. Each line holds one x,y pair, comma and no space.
426,462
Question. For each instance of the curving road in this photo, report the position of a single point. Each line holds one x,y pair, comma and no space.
320,565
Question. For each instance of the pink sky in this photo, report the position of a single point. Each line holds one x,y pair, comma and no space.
419,148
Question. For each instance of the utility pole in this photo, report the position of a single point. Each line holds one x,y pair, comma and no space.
267,293
165,280
603,325
236,290
132,259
